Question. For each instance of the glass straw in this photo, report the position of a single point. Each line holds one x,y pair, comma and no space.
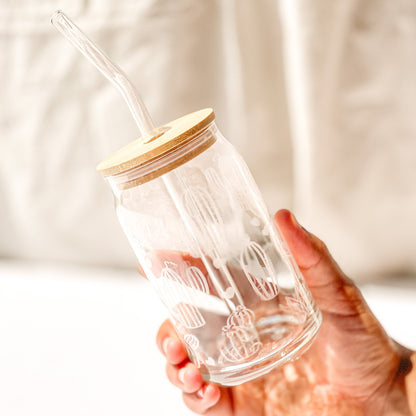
110,70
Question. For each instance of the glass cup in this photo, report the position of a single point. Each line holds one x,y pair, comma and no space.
202,234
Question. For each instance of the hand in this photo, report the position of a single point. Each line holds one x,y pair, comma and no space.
353,367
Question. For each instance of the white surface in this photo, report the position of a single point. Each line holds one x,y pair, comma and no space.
394,304
78,341
81,342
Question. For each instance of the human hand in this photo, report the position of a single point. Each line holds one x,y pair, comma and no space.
353,367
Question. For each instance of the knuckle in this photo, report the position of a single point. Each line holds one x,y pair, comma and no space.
172,374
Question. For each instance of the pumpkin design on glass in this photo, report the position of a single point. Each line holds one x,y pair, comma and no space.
240,340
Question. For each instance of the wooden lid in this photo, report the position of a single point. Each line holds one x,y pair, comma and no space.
160,141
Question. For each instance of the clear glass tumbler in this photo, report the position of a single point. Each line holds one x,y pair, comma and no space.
202,234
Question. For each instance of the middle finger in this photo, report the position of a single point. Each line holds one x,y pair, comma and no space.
186,377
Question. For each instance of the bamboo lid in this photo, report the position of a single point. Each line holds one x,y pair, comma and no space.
162,140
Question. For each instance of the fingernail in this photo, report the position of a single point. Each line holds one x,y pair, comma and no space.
200,393
165,345
294,221
297,225
209,390
181,375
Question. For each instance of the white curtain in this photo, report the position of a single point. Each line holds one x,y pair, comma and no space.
316,95
351,75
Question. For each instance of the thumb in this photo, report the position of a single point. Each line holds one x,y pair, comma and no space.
332,290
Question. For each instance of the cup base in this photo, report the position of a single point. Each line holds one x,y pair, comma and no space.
274,354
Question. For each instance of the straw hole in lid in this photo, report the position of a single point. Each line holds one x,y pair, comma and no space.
156,133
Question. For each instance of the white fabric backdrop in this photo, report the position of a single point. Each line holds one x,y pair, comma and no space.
59,117
350,86
351,69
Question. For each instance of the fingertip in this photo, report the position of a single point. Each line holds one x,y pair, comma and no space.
286,220
212,393
192,378
165,332
209,394
174,350
306,249
282,215
165,345
206,398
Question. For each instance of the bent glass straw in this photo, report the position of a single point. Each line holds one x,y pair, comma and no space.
110,70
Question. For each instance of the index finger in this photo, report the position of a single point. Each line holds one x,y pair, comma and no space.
169,344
